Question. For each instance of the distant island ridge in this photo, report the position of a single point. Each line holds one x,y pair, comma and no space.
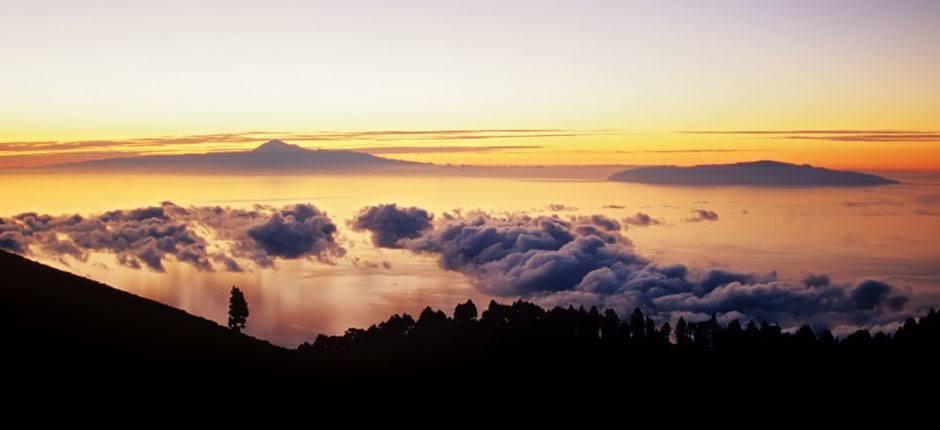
752,173
274,155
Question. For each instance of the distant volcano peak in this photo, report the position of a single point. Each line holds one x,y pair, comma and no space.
275,146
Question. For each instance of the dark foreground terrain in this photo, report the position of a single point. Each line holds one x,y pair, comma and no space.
60,329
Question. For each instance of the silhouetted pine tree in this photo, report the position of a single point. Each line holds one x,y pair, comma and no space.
237,310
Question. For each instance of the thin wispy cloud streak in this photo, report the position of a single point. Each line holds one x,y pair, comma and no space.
691,151
666,151
873,138
256,136
377,150
806,131
48,152
832,135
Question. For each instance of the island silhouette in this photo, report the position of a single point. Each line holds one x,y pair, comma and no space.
272,156
752,173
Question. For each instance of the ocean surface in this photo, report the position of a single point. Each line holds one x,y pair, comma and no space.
890,233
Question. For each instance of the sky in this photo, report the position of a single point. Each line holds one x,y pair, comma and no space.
845,84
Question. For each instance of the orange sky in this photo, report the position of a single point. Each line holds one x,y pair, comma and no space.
849,149
546,82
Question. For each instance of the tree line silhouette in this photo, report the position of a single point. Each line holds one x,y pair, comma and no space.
50,337
525,337
522,319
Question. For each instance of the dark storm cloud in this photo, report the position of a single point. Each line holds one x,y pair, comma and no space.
149,236
699,215
557,261
390,224
641,219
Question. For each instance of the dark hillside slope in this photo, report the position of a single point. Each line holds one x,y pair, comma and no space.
61,330
58,325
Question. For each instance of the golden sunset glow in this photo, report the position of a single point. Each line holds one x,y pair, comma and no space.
622,80
488,194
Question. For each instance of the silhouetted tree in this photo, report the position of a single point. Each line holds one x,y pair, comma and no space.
237,310
651,333
664,333
880,339
431,320
495,315
859,338
397,325
610,326
804,336
592,323
465,312
751,332
637,326
682,332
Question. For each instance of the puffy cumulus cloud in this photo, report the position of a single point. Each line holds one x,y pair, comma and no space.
390,224
11,237
297,231
199,236
817,280
641,219
557,261
699,215
605,223
870,294
517,254
12,241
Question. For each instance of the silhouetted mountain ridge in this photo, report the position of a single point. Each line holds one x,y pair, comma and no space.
272,156
755,173
61,326
278,147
